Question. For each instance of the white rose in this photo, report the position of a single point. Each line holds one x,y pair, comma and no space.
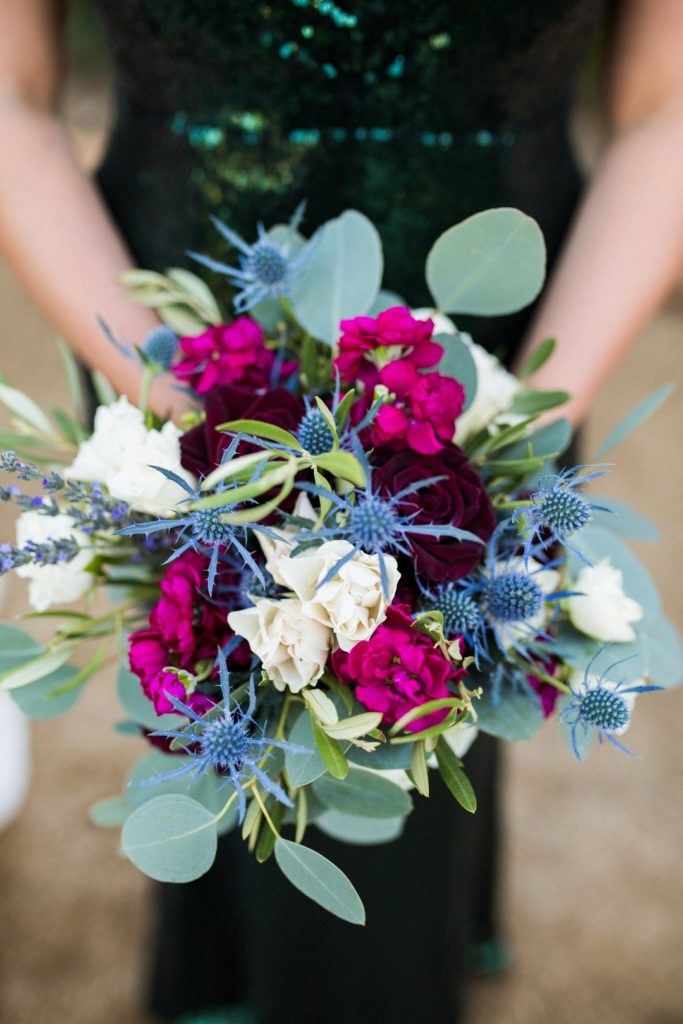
54,584
275,548
602,609
120,454
352,604
292,647
496,388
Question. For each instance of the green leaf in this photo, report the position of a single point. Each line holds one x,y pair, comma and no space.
530,403
385,300
198,291
458,362
335,762
320,880
43,699
552,439
16,647
665,661
110,812
540,355
103,390
266,841
419,769
180,319
454,776
350,828
36,668
341,277
515,717
266,430
363,793
516,467
303,769
171,838
386,756
343,465
595,542
490,264
634,418
24,408
623,519
73,376
355,726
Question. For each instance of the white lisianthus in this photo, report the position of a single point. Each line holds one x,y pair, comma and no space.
276,548
120,454
292,646
496,388
64,582
602,609
352,603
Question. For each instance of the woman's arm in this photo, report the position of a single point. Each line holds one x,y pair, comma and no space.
54,229
625,249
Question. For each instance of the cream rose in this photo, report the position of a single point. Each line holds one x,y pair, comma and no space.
292,646
278,547
352,603
64,582
121,453
602,609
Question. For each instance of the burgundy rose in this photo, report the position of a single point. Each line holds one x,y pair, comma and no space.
395,333
202,447
459,499
396,670
547,693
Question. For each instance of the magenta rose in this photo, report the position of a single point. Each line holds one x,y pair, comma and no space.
148,657
396,670
225,354
457,499
395,333
424,413
202,447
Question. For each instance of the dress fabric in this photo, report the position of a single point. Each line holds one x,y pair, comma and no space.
419,114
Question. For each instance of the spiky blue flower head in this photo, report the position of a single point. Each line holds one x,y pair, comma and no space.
557,510
160,346
461,614
314,434
512,597
227,740
601,707
267,267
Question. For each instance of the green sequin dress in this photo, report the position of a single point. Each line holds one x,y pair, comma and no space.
419,114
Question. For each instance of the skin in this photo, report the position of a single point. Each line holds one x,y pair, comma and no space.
622,256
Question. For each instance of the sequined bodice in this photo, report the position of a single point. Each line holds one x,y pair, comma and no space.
417,113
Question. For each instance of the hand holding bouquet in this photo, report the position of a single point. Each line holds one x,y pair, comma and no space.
360,552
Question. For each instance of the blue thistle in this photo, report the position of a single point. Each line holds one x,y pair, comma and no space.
314,433
558,510
462,615
160,346
267,268
230,742
601,707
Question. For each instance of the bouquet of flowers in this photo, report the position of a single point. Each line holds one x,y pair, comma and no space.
358,551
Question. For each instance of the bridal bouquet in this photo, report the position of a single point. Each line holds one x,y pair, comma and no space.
356,552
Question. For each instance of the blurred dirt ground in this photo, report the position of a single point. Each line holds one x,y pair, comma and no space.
593,881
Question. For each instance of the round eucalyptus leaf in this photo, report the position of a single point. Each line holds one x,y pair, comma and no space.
303,768
171,838
516,716
385,300
38,700
458,362
351,828
363,793
16,646
110,812
341,278
491,264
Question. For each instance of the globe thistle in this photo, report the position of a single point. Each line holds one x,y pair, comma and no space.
558,509
160,347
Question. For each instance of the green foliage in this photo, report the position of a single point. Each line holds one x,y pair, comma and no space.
531,403
303,769
517,716
25,409
458,362
50,696
320,880
171,838
181,299
385,756
342,276
623,519
110,812
552,439
490,264
634,418
453,775
351,828
363,793
540,355
330,751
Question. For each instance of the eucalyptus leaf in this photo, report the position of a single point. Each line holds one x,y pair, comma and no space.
634,418
331,753
595,543
41,699
24,408
16,647
320,880
458,362
303,769
529,403
453,775
341,278
385,756
110,812
553,439
623,519
171,838
540,355
517,716
350,828
36,668
491,264
385,300
363,793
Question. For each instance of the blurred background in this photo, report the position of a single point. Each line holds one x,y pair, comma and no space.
593,889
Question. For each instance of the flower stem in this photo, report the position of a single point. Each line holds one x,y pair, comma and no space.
264,812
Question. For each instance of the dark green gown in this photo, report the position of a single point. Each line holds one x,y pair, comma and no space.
418,114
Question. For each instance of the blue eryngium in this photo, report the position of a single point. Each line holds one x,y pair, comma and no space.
601,707
160,346
558,509
267,268
229,741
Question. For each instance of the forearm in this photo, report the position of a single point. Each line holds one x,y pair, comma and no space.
623,254
59,239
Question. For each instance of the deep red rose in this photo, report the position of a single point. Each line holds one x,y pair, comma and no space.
396,670
547,693
202,447
459,499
